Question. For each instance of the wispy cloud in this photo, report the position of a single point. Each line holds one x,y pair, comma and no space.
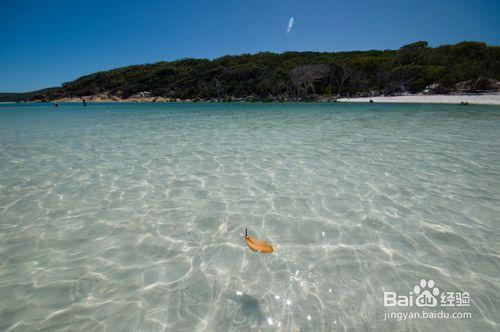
290,25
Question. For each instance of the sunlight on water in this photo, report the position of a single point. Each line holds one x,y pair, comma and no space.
121,217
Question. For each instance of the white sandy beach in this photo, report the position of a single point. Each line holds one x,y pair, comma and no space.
483,99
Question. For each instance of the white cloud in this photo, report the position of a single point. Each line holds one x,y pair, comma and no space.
290,25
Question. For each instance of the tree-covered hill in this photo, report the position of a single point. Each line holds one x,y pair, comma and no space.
16,97
413,68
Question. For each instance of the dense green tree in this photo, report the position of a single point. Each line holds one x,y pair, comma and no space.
292,75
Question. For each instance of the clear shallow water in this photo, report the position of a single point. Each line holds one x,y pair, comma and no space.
130,217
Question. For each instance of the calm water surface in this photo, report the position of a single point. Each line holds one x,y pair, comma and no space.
131,216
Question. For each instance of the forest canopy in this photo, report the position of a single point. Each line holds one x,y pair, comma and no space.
295,75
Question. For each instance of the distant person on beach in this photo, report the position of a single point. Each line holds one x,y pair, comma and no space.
84,102
371,101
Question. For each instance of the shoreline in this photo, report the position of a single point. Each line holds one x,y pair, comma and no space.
473,99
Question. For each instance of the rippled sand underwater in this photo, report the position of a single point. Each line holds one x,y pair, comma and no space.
125,217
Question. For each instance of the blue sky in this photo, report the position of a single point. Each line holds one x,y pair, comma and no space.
46,43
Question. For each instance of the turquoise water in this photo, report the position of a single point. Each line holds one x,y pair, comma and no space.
131,216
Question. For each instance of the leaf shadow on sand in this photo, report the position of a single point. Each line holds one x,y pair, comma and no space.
249,307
